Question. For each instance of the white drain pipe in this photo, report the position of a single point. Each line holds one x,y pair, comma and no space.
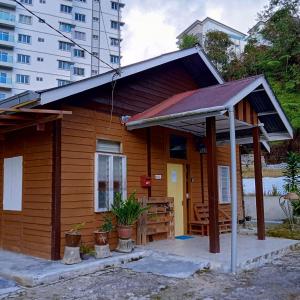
234,205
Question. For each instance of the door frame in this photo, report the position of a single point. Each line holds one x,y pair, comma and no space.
185,212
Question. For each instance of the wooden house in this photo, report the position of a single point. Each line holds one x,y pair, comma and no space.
65,151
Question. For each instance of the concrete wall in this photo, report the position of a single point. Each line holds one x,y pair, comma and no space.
273,212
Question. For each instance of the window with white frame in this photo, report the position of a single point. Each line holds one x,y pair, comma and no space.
110,174
25,19
12,183
224,184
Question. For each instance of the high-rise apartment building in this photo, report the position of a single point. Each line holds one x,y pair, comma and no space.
35,57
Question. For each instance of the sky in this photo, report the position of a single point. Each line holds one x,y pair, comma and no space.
151,26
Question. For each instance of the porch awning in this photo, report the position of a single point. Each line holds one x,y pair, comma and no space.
188,111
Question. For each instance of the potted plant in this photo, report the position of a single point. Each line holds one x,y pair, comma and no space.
101,235
127,212
73,236
86,252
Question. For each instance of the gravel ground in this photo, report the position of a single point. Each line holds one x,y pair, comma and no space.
277,280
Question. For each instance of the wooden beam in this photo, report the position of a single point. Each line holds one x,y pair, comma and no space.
14,117
258,184
149,171
34,123
56,191
8,124
36,111
212,177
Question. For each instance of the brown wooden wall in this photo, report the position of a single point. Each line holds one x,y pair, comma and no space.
29,231
79,134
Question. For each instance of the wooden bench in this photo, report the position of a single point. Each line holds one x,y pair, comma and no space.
200,223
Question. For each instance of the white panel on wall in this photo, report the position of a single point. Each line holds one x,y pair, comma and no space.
12,183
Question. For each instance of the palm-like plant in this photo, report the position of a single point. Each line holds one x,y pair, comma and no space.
292,173
127,211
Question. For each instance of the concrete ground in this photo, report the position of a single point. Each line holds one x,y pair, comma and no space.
251,251
274,281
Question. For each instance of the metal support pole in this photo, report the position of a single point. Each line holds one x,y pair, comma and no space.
234,207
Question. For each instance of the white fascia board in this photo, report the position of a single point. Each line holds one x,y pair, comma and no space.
189,115
210,66
246,91
80,86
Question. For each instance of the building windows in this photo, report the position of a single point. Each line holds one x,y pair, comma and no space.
78,71
39,79
4,56
110,174
95,19
2,96
116,5
21,78
41,40
80,35
64,46
24,19
79,53
115,24
65,27
40,59
3,77
64,65
95,54
82,1
94,72
12,183
65,9
24,38
4,36
224,184
79,17
95,37
26,1
23,59
43,1
114,59
114,42
61,82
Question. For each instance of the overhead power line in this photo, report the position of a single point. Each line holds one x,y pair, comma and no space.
65,36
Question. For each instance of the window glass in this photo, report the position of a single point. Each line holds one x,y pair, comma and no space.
178,148
224,184
103,181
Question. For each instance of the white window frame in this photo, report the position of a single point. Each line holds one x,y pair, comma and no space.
111,188
13,183
221,200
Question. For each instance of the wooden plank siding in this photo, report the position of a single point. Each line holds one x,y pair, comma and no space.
29,231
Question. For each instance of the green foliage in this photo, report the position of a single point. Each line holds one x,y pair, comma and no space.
296,208
107,225
292,172
280,60
128,210
188,41
85,249
217,46
75,229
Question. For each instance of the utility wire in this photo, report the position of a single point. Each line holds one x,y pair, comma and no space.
71,40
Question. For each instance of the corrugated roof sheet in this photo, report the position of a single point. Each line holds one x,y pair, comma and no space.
216,95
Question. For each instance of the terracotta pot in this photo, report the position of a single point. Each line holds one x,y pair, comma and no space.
124,232
101,238
73,239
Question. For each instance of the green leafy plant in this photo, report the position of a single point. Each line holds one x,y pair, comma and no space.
127,211
188,41
85,249
296,208
292,173
107,225
75,229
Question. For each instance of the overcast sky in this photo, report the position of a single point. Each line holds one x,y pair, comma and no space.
151,26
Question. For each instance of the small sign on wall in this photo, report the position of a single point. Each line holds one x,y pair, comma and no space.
158,176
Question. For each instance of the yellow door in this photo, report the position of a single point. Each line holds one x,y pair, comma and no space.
175,190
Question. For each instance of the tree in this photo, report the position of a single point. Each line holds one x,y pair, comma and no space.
292,172
217,46
188,41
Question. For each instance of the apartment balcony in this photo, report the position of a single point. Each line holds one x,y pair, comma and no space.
6,61
8,4
5,82
7,19
7,40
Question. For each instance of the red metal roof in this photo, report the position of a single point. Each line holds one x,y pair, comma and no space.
216,95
